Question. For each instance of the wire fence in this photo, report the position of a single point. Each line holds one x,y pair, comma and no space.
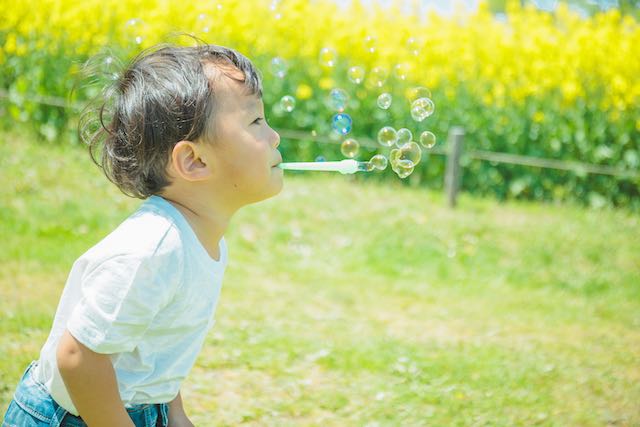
298,135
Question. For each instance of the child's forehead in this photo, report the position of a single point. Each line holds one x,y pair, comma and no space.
230,89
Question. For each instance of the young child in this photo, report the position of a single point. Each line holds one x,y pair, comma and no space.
186,131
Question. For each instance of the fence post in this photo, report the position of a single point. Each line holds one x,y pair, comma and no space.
453,173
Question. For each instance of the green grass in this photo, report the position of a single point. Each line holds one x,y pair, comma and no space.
357,303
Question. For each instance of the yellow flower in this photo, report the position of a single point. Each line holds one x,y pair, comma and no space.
538,117
326,83
10,44
304,91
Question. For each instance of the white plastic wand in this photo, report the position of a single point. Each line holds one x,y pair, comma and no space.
347,166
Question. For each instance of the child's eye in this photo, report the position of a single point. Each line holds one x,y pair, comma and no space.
258,120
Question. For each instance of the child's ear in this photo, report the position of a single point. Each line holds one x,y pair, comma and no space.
188,162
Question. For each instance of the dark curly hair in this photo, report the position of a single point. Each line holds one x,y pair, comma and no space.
165,95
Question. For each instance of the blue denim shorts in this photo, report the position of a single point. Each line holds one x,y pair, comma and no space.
32,406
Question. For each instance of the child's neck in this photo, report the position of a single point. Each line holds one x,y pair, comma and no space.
208,224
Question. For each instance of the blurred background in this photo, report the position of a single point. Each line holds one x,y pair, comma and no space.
546,80
368,300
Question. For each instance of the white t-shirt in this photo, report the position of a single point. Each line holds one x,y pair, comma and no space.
146,294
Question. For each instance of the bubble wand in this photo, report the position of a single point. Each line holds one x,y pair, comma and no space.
347,166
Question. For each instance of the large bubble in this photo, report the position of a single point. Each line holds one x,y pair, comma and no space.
411,152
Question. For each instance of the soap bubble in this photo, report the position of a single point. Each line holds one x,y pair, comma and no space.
404,136
342,123
387,136
328,56
133,28
417,92
410,151
288,103
356,74
379,162
367,166
203,20
378,76
278,67
370,44
402,70
350,147
384,100
413,46
427,139
402,167
337,100
274,7
422,108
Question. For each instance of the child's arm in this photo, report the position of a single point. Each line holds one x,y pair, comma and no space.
177,416
91,383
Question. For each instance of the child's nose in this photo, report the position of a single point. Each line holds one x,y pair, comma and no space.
276,138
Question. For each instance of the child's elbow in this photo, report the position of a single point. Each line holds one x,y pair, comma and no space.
68,354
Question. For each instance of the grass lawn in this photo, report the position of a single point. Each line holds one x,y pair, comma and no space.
350,303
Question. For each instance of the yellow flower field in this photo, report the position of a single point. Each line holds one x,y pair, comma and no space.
530,82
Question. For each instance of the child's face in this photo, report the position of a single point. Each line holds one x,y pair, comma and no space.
244,146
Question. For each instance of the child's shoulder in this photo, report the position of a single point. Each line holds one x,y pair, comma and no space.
152,231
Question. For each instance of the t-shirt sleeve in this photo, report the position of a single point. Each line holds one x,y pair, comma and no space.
120,298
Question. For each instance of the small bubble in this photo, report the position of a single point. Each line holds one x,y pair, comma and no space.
417,92
320,159
422,108
413,46
379,162
337,100
378,76
356,74
370,44
384,100
366,166
288,103
278,67
387,136
328,57
342,123
350,147
427,139
404,136
401,71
